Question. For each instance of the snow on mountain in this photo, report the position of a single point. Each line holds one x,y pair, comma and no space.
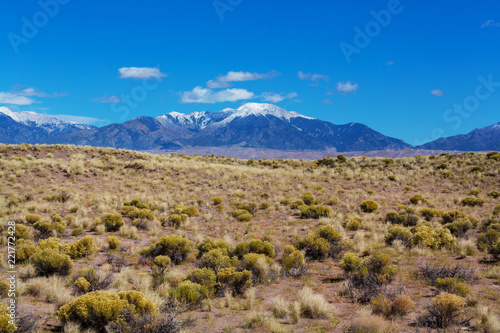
253,125
195,120
201,120
48,123
261,109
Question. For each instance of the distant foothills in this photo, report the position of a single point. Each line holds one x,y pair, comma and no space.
254,130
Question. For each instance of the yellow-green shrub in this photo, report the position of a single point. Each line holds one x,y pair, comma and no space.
136,203
330,233
191,211
242,215
446,308
263,247
162,261
4,288
426,236
133,212
48,262
293,261
315,212
32,218
45,228
379,266
5,326
218,259
398,232
472,201
417,198
319,243
459,226
94,310
25,249
54,244
253,261
487,240
112,221
22,232
429,213
204,277
82,284
297,203
138,303
369,206
308,198
83,247
453,285
113,242
189,293
236,282
397,307
210,244
174,246
353,224
406,217
177,220
288,249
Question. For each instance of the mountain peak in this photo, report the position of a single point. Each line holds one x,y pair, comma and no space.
48,123
264,109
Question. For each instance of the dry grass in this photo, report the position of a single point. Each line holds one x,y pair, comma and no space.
488,321
369,324
249,299
279,307
53,290
313,305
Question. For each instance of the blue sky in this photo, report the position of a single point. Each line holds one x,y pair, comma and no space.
424,69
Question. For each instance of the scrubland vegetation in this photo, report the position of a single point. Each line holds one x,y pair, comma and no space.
122,241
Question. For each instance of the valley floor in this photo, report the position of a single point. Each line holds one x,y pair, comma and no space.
342,244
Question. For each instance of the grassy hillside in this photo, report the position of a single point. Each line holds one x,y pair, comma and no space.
335,245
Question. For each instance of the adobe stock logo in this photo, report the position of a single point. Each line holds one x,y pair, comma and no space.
223,6
30,28
373,28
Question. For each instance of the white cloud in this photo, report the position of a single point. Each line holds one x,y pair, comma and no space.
312,77
23,90
208,96
107,99
346,87
328,101
10,98
224,81
77,119
437,92
490,23
390,63
140,73
276,98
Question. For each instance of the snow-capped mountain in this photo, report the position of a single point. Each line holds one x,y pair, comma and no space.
201,120
50,124
481,139
253,125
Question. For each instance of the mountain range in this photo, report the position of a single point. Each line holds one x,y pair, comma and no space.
481,139
253,125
